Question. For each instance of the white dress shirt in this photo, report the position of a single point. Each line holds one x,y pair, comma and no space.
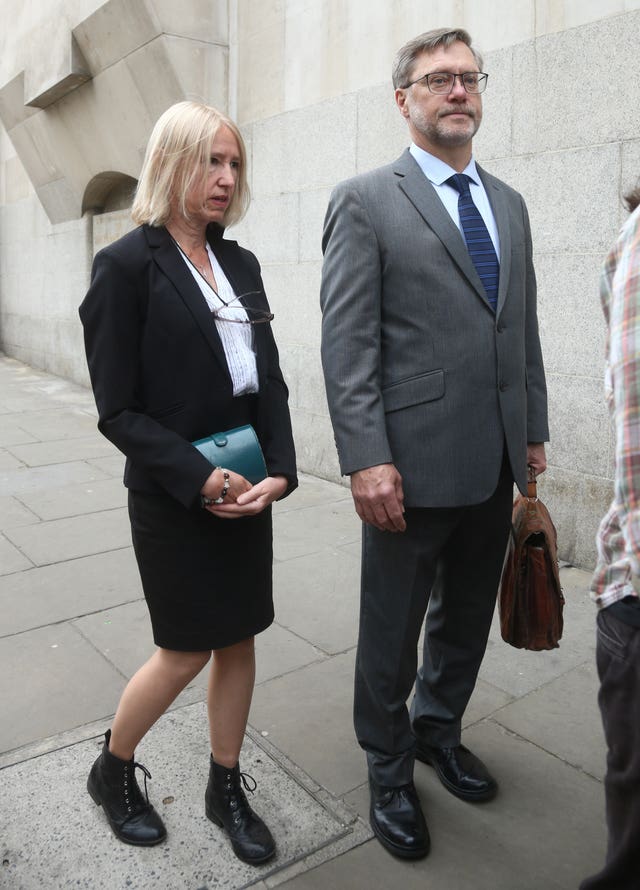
237,339
437,172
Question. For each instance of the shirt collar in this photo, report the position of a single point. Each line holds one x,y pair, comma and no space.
436,171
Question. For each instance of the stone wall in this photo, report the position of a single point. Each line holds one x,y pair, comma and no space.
308,81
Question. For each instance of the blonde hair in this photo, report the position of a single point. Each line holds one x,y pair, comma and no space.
177,156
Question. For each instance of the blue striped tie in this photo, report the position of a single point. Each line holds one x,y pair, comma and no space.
477,236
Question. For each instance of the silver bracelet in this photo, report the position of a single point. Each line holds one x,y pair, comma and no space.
225,486
207,502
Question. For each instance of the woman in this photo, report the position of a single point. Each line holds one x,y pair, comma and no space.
179,346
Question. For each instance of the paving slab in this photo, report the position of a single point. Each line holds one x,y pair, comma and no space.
545,829
110,466
563,718
59,423
8,461
39,454
308,715
310,529
25,479
326,612
52,679
13,512
63,539
12,432
76,499
11,558
66,590
518,672
312,492
39,846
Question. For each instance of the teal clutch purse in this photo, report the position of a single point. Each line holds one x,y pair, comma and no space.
238,450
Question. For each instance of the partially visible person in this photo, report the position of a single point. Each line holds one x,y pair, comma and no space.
616,582
179,346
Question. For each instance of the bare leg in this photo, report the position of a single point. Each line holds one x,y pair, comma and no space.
231,679
149,693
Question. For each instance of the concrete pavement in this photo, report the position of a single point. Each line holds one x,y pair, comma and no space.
73,628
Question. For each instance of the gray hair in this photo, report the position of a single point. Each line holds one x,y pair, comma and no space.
427,43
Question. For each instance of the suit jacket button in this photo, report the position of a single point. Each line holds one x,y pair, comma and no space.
500,328
503,386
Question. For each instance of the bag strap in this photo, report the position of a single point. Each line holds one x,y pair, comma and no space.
532,488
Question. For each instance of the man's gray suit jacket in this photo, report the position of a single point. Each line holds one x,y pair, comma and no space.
419,370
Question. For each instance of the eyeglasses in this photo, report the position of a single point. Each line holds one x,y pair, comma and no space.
254,316
441,82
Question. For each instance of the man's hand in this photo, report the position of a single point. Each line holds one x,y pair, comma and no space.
536,457
378,497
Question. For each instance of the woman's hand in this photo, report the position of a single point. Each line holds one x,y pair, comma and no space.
251,501
212,488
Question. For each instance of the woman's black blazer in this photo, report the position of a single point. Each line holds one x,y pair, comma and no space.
158,368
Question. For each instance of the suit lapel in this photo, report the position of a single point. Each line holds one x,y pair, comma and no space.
166,255
498,200
425,199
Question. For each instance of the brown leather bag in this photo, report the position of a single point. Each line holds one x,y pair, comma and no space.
530,596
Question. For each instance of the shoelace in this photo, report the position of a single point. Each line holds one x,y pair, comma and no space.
146,774
246,778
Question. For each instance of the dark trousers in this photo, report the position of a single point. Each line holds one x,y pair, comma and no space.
449,560
618,659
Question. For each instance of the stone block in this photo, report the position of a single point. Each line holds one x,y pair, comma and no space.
330,127
579,424
293,291
315,448
194,20
270,228
63,539
499,24
577,504
382,133
55,593
113,31
589,62
558,187
313,208
572,328
493,139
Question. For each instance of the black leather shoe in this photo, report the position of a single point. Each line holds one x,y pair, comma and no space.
398,821
460,771
227,806
112,785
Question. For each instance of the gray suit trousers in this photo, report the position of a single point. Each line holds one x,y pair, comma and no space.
446,565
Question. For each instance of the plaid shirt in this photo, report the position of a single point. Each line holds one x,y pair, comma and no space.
619,535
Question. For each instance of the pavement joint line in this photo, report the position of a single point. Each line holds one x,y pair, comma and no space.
44,565
516,735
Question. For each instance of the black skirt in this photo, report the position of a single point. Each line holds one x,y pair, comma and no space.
207,581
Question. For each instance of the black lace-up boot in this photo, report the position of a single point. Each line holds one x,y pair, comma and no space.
112,785
226,804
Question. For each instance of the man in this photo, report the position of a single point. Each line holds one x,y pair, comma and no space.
437,396
617,578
